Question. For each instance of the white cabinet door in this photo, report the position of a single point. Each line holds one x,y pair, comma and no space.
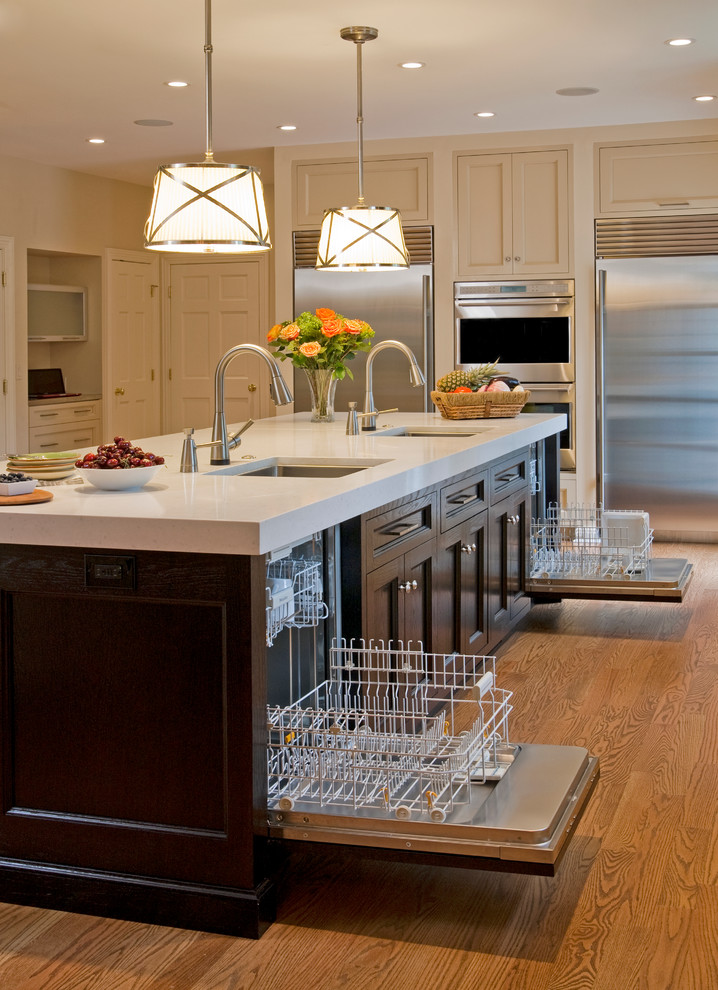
659,177
131,381
213,306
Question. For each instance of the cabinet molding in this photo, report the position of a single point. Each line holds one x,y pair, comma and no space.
402,183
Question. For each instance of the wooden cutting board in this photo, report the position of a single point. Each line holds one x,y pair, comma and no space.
39,495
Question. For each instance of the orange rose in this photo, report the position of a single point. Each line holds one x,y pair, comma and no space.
290,332
325,314
310,349
354,326
274,332
330,328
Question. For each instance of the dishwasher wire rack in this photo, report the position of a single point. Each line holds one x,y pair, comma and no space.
588,542
385,733
294,595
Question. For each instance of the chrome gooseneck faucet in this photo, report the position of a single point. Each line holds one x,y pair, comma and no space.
278,390
416,379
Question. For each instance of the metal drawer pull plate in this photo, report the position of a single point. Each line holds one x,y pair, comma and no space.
468,548
402,530
463,499
48,415
409,586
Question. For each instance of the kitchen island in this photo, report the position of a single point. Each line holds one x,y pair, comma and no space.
134,648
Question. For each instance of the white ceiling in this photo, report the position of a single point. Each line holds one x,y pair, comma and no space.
83,68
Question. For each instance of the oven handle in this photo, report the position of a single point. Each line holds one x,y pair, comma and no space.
483,301
567,389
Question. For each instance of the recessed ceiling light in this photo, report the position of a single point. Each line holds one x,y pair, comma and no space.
576,91
704,99
177,84
411,65
679,42
153,123
286,127
485,113
95,140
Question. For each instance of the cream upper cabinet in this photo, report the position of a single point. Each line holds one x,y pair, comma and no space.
402,183
513,213
656,178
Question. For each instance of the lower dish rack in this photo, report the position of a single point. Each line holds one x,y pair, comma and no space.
395,730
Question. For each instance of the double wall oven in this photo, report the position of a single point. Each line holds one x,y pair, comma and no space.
529,328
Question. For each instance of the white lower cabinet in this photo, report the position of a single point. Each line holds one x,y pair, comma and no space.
65,426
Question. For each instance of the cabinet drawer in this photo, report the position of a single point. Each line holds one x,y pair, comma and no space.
397,530
463,499
65,412
509,475
65,437
654,177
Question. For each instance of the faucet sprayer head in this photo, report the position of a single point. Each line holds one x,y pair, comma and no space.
416,376
279,390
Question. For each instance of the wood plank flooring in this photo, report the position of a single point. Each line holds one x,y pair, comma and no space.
635,904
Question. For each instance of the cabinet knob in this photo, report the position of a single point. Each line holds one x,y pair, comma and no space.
508,259
119,391
514,520
468,548
517,258
409,586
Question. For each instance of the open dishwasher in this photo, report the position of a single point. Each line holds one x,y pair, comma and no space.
398,749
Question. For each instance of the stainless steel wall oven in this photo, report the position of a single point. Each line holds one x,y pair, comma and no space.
529,328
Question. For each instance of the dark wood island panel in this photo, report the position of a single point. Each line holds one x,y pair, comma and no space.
129,685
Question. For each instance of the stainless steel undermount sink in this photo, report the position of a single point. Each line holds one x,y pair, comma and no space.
434,431
291,467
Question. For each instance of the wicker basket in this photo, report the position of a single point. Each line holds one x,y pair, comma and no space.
479,405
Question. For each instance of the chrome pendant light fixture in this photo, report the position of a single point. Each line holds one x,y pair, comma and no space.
361,238
208,206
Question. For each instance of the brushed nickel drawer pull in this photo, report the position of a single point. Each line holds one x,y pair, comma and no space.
402,530
508,477
48,415
463,499
83,412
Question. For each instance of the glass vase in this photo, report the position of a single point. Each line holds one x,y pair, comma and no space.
322,386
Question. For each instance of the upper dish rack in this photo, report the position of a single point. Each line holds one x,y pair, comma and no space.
395,731
294,594
589,542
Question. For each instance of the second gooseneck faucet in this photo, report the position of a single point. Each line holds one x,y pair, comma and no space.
416,378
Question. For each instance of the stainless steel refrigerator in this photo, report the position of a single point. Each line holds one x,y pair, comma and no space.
657,389
398,305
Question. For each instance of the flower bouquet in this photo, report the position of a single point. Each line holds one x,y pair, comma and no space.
321,344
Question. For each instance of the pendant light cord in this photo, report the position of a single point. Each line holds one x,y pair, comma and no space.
360,123
209,154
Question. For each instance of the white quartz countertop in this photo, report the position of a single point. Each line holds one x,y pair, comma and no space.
219,511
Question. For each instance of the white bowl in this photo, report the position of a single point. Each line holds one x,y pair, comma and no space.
17,487
119,479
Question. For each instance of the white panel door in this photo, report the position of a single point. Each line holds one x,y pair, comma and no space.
133,348
213,306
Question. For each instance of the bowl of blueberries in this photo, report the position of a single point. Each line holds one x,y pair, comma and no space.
16,483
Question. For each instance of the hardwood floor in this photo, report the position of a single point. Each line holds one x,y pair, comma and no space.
635,904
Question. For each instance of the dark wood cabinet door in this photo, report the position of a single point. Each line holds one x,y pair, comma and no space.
508,539
460,588
399,600
382,621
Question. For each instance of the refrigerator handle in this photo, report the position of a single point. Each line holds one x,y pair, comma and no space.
600,384
426,310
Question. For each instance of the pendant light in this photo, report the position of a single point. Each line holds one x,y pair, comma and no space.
361,238
208,206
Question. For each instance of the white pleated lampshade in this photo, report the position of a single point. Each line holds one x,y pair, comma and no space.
208,206
361,239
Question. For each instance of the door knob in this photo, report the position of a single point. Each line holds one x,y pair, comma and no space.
119,391
251,387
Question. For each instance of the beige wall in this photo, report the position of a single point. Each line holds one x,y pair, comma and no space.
443,209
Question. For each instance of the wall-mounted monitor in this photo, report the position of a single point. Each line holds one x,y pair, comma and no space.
56,312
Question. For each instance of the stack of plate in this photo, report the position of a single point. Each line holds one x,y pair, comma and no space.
44,467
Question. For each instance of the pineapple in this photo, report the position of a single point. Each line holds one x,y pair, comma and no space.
474,378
